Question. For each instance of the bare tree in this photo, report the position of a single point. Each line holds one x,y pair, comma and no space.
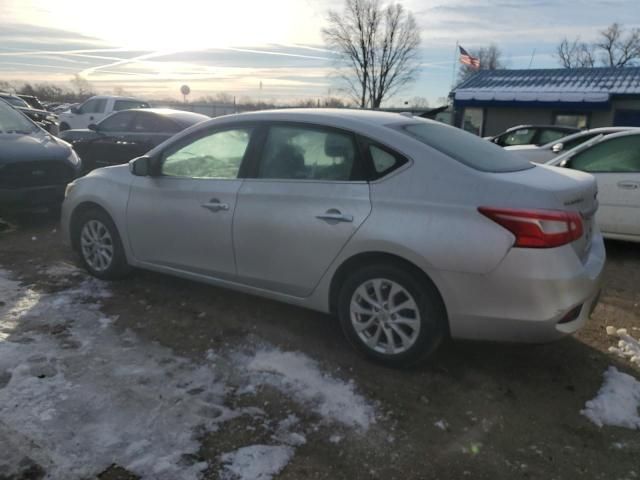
575,54
82,86
490,59
613,49
619,49
376,48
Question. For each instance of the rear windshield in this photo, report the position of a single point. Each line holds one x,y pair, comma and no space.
465,147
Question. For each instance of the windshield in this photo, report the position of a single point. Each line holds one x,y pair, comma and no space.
12,121
465,147
18,102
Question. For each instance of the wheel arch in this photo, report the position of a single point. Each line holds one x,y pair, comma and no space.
76,215
367,258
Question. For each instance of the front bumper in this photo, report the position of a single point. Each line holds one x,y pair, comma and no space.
528,297
31,197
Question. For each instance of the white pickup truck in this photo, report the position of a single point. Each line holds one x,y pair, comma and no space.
95,109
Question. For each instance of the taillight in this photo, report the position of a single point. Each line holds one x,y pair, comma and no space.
537,228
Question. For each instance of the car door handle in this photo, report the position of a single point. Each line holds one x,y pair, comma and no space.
628,185
215,206
335,215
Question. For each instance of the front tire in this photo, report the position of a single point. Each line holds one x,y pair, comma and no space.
99,245
391,314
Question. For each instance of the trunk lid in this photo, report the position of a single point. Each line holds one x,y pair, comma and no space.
555,188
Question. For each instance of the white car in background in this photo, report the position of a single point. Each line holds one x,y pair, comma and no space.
545,153
95,109
615,162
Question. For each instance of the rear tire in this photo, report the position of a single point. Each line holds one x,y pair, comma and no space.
64,126
99,245
391,314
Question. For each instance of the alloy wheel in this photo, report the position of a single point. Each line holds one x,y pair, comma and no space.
97,245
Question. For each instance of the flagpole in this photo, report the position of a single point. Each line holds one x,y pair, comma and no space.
453,69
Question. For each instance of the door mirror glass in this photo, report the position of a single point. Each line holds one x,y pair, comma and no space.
140,166
557,148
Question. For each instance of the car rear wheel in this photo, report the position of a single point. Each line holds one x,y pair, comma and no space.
391,314
100,246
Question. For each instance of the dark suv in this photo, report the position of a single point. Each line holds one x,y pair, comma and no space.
35,166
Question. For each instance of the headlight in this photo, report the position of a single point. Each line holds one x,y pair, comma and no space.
69,187
74,158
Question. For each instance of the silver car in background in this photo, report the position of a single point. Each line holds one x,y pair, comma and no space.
409,230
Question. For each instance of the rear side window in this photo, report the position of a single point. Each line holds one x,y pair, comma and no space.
523,136
466,148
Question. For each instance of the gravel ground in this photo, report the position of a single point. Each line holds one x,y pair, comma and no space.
477,410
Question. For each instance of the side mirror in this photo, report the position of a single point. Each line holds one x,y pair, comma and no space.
93,126
557,148
140,166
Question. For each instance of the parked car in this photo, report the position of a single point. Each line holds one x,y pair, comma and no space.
95,109
544,153
615,162
532,135
32,101
408,229
46,120
127,134
35,166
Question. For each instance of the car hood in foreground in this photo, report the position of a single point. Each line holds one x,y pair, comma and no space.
36,146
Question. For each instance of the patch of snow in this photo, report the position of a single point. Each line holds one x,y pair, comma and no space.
298,375
335,438
442,424
617,401
256,462
62,269
628,347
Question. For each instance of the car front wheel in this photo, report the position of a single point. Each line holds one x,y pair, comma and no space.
391,314
99,245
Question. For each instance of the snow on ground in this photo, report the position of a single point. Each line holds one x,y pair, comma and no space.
628,347
299,376
256,462
617,401
76,395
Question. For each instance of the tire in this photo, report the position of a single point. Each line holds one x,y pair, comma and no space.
64,126
99,245
410,305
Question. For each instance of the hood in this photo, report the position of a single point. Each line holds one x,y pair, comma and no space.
36,146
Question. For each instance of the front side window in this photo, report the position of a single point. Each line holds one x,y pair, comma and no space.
579,120
217,155
96,105
466,148
307,153
620,154
15,101
522,136
129,104
566,146
118,122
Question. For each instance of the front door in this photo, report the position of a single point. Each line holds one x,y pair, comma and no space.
305,203
616,166
182,218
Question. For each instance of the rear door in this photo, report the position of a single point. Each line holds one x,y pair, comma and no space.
304,202
616,165
182,218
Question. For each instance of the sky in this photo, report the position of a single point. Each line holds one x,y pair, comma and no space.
269,50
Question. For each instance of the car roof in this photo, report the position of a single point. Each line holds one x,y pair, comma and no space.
324,115
555,127
603,130
117,97
179,115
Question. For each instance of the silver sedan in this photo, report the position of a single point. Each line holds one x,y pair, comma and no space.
409,230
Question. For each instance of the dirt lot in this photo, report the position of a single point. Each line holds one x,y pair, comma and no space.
476,411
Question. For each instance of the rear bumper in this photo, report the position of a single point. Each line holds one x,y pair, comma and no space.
532,296
31,197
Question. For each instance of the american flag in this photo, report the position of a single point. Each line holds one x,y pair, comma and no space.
468,59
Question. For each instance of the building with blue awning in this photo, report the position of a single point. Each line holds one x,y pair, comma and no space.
491,101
